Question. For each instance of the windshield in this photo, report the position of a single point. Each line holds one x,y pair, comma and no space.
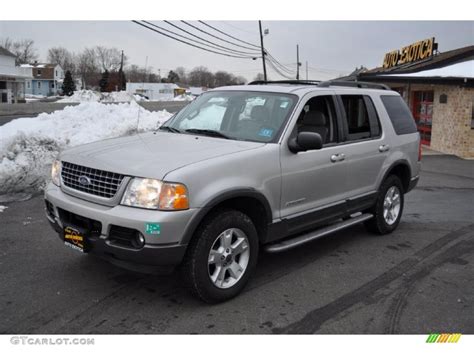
239,115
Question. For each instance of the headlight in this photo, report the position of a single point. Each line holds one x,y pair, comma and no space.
155,194
56,172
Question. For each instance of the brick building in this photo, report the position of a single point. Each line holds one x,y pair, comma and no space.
439,89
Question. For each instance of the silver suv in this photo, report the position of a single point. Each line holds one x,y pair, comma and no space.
270,165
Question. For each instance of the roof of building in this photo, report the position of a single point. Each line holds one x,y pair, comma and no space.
456,70
436,61
39,65
7,53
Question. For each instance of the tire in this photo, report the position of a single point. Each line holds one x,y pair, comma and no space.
381,224
227,274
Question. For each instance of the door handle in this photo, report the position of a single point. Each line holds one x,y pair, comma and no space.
384,148
338,157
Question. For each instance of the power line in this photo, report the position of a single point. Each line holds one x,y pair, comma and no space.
281,66
189,44
228,35
212,45
278,71
227,49
217,37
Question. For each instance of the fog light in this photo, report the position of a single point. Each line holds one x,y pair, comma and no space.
139,241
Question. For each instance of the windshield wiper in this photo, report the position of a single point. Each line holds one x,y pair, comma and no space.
169,129
207,132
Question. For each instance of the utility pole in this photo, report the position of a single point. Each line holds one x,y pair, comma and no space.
121,72
306,70
263,51
298,62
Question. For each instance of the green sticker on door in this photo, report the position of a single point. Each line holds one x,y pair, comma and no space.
152,228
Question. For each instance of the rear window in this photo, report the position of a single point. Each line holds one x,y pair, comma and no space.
399,114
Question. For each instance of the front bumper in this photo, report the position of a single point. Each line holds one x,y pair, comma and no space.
161,252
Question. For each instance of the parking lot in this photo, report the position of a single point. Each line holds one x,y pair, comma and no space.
420,279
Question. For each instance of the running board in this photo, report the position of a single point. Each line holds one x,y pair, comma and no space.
316,234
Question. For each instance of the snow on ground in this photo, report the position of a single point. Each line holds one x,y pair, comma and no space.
184,98
115,96
2,208
82,96
29,145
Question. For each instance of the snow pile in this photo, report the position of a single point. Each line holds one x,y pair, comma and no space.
3,208
184,98
117,96
82,96
108,97
29,145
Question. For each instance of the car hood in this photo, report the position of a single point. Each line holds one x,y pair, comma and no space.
152,155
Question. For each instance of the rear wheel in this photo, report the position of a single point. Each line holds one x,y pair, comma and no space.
221,256
388,208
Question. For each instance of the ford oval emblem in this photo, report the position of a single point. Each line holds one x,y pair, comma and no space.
84,180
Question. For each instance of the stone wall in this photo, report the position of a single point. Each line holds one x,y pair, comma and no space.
451,130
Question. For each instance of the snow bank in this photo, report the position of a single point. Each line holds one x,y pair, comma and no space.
3,208
29,145
184,98
82,96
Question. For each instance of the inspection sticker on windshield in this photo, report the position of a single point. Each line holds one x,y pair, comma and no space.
266,132
152,228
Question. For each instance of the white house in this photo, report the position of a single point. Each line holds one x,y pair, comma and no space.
12,78
154,91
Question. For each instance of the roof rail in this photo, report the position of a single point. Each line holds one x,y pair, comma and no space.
292,82
354,84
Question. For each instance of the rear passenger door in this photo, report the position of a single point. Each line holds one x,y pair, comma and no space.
366,147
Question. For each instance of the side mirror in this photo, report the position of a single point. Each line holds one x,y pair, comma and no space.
305,141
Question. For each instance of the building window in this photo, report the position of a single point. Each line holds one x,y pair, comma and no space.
56,73
3,85
39,84
39,72
28,84
472,115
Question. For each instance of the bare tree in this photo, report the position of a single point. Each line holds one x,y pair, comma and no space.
181,72
63,57
201,76
87,67
259,77
24,50
6,43
109,58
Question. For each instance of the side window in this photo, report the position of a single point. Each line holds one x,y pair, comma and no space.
357,117
319,116
399,114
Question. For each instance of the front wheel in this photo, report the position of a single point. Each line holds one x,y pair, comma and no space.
221,256
388,208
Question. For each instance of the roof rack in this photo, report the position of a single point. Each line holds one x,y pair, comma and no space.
293,82
325,84
354,84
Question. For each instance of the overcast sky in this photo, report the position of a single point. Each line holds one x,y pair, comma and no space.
330,47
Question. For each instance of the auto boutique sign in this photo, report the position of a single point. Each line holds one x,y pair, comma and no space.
411,53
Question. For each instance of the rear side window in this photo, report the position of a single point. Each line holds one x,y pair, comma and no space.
399,114
357,116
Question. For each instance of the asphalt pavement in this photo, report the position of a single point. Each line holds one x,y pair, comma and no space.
419,279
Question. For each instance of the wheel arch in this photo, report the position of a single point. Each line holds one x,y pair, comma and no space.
400,168
248,201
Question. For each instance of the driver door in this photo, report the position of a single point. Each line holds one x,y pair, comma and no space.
313,182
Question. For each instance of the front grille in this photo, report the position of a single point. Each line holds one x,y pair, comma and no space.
92,227
99,182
